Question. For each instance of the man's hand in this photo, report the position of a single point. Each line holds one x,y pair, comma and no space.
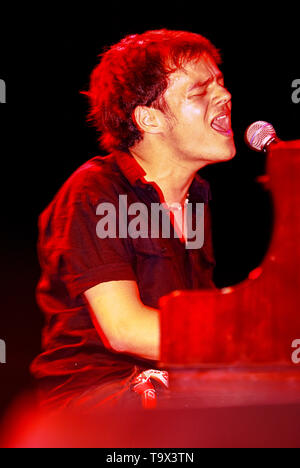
124,323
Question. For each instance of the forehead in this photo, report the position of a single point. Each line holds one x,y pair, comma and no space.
192,73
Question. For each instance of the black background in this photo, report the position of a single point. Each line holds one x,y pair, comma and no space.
46,58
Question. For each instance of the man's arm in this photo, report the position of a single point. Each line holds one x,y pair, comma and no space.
129,326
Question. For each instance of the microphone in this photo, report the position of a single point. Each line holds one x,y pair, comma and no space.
260,135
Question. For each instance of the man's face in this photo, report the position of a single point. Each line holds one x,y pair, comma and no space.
200,127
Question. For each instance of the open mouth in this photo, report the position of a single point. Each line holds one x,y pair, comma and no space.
222,124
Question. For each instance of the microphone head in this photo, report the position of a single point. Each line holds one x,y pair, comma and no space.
259,135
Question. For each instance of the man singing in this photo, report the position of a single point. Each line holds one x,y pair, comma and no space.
159,102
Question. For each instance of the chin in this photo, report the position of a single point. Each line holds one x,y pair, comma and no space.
232,152
228,151
222,156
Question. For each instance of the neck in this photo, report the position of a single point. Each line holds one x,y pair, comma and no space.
172,176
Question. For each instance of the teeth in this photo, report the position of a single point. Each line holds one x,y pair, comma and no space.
221,117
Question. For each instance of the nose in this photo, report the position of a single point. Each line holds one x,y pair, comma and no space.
222,96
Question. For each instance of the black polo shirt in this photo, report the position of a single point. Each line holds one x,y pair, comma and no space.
73,259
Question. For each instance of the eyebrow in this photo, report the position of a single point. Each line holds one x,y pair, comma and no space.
200,84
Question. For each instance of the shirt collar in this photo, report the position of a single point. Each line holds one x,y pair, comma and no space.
200,190
130,168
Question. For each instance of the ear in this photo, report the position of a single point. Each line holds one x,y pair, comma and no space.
147,119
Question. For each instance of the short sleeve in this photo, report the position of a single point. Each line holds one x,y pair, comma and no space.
70,250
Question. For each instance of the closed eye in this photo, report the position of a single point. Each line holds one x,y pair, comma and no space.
200,93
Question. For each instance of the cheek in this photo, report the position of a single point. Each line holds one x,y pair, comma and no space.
195,113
